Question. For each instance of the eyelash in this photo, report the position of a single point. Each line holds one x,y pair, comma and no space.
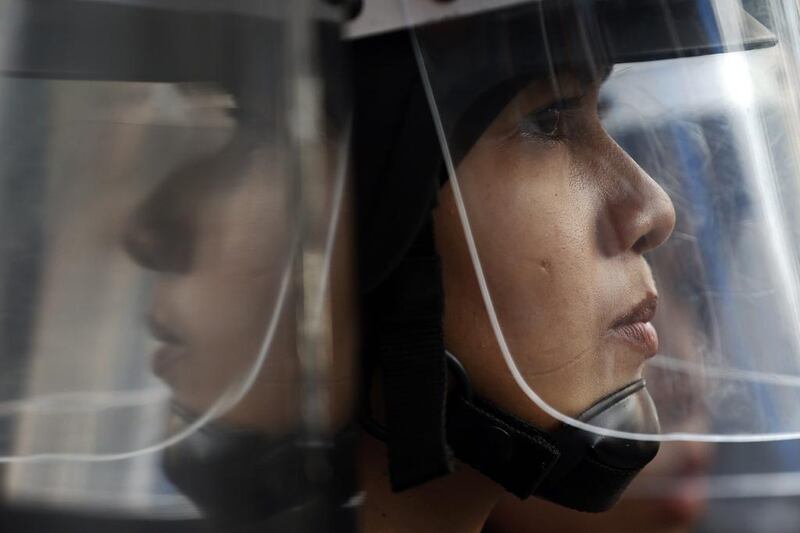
547,123
543,123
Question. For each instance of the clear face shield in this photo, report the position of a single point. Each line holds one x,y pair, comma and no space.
170,226
618,209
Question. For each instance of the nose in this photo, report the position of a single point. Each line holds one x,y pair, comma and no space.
637,213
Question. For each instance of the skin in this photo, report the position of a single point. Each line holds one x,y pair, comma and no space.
561,217
670,494
561,223
220,254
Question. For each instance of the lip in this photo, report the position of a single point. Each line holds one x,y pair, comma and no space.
635,327
169,353
164,360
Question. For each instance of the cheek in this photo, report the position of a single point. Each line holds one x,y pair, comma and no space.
220,310
534,232
542,287
224,319
536,235
225,325
231,293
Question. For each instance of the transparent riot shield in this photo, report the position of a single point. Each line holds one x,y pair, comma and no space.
579,282
174,248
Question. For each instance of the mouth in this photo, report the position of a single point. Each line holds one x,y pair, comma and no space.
636,329
172,349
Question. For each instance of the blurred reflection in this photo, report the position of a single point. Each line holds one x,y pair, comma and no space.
159,131
222,236
217,234
78,380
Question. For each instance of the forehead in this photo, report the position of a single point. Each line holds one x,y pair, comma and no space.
509,99
477,65
567,85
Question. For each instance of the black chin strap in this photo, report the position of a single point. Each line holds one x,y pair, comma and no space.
571,467
410,350
241,478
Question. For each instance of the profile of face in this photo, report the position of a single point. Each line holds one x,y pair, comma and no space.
561,218
216,235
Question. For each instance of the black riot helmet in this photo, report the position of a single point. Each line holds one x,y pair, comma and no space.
517,343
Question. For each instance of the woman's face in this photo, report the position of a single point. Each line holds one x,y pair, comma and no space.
216,234
561,218
219,236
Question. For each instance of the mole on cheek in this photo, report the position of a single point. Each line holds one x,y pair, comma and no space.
545,266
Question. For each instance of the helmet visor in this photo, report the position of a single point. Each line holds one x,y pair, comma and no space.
619,204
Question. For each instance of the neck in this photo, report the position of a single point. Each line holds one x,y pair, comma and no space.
459,502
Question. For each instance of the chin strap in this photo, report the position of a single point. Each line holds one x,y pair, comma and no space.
571,467
242,478
407,326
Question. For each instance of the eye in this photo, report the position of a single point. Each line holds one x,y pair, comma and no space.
542,122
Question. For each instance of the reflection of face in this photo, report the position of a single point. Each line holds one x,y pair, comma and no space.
667,497
561,217
216,233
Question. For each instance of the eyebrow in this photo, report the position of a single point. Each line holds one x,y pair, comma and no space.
572,102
